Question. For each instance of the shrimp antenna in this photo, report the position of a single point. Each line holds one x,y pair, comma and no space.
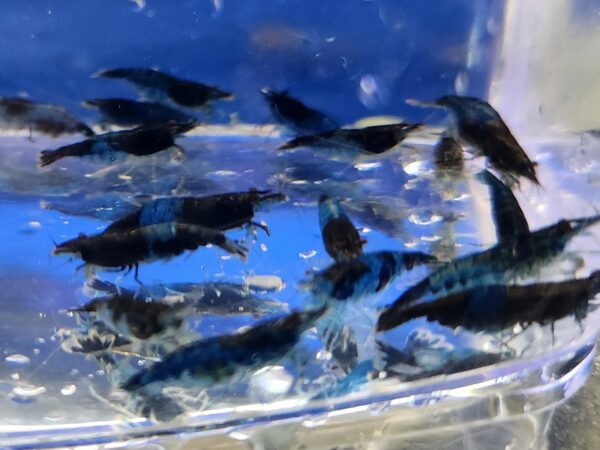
55,245
51,238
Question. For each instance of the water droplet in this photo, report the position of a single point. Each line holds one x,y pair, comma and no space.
69,389
40,340
15,376
17,359
36,351
263,247
433,238
34,224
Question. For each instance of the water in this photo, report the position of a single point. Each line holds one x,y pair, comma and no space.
450,388
395,209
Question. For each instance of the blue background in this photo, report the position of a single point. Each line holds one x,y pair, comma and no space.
320,50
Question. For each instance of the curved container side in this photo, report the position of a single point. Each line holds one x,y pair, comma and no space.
505,406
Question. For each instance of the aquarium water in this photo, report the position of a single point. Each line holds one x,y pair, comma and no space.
419,385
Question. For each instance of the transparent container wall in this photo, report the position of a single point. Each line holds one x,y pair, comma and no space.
536,62
546,75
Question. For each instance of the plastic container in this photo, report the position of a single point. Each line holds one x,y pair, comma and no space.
353,61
